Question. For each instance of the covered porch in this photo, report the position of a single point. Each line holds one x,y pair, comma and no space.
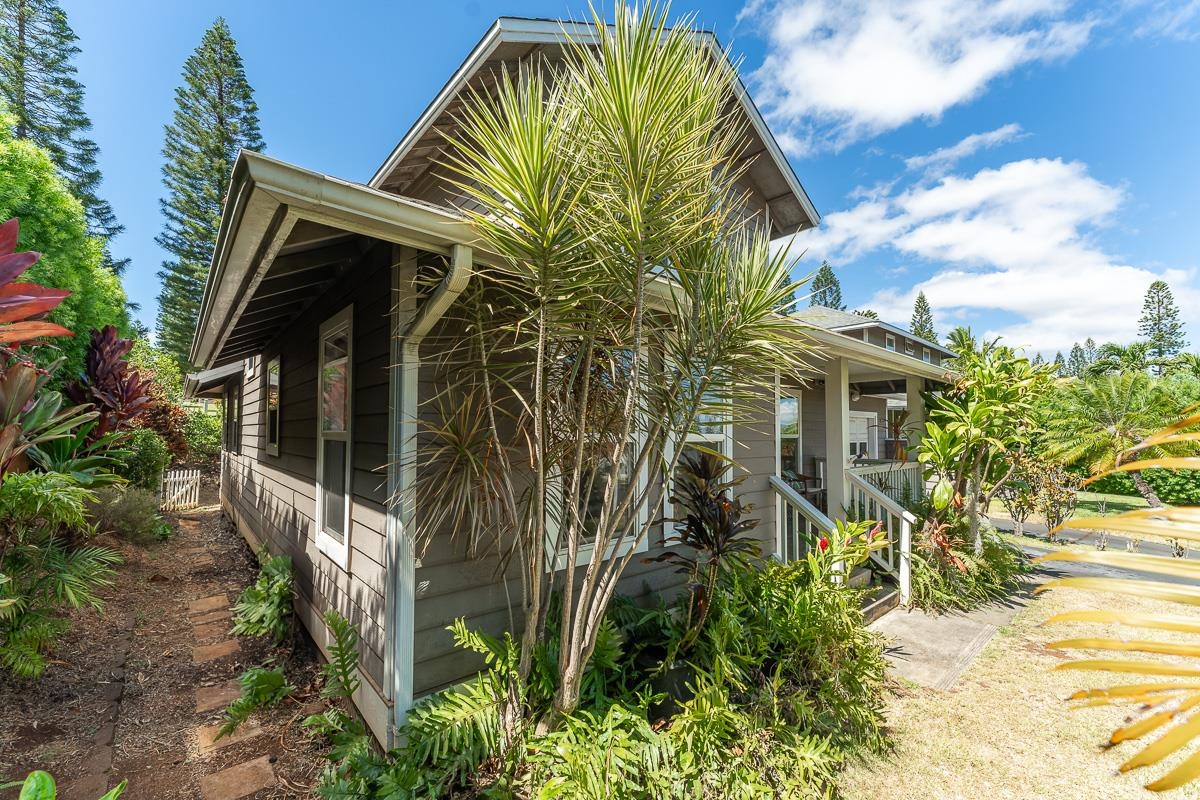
846,449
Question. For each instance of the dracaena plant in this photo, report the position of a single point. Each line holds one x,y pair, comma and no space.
1159,697
712,526
109,383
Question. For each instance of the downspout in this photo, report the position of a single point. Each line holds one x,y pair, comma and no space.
402,468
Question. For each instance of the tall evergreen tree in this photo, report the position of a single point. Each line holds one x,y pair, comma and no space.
869,313
787,304
1060,365
1077,362
1090,350
39,87
922,319
827,289
1160,324
215,116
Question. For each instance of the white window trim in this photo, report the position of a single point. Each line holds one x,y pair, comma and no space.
910,349
889,342
793,394
926,356
272,448
724,440
338,552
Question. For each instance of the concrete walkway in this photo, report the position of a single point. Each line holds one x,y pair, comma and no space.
933,650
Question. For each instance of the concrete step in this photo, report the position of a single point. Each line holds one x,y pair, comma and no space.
860,578
880,601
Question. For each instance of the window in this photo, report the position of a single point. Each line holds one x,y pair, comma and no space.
232,438
926,356
889,342
909,347
789,437
862,434
272,392
333,437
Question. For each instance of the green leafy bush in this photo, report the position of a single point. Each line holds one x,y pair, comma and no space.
203,434
341,671
130,512
261,687
1176,487
144,459
947,575
43,565
265,607
39,785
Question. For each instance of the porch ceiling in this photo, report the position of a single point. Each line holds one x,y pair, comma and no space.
286,235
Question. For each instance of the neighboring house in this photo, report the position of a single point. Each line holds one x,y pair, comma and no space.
314,332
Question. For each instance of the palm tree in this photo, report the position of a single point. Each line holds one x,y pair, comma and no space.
620,310
1092,422
1114,358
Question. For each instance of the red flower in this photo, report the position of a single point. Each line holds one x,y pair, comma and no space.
823,544
878,529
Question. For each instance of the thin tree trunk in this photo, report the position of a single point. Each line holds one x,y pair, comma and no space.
973,489
1139,481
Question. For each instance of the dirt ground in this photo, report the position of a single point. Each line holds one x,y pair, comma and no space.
1004,732
135,658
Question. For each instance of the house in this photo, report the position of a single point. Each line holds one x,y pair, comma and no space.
318,334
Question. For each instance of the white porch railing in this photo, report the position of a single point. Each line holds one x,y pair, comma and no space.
869,502
801,524
902,481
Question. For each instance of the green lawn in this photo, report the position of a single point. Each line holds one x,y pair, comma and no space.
1091,504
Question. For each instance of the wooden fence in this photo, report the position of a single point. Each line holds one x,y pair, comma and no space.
180,490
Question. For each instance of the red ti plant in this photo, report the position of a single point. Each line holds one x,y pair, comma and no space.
109,383
29,414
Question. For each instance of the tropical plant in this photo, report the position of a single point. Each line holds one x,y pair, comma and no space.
1057,494
143,458
261,687
114,389
203,434
1158,696
129,512
619,311
1019,494
265,607
1092,422
39,785
1115,359
978,422
43,568
712,525
90,462
341,671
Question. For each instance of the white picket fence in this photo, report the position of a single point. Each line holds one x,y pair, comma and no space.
180,490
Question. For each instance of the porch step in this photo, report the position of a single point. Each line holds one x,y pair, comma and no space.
860,578
879,601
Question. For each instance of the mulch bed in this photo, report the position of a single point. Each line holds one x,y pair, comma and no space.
133,661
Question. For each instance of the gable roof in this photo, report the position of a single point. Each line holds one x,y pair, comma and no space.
511,39
834,319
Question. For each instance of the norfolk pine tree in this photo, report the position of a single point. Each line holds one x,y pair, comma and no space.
1160,325
40,90
215,117
922,319
827,289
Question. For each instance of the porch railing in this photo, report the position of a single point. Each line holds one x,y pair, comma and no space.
902,482
870,502
801,524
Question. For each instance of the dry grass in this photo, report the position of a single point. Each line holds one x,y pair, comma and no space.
1005,731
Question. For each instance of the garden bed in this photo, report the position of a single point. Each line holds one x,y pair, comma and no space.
136,658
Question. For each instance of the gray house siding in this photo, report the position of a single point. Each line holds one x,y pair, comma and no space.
272,499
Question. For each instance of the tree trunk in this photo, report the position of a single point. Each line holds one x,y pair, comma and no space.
1144,489
973,508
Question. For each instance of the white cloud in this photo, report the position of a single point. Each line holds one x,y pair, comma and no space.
1018,240
1169,19
839,72
944,158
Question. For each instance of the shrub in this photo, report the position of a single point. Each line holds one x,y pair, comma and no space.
947,575
42,567
144,459
169,420
116,390
265,607
39,785
1057,494
261,687
130,512
203,434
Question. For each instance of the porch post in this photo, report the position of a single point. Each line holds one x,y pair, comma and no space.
837,434
916,411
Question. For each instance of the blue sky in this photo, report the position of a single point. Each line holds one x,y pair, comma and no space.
1032,165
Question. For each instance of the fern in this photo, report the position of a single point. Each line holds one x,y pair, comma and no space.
261,688
341,672
265,608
